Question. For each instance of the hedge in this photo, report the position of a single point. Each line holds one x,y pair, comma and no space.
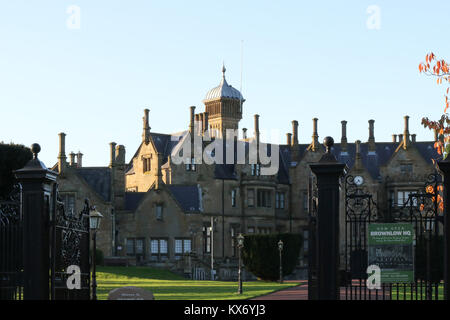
262,258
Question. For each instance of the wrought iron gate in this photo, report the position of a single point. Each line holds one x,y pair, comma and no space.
70,247
11,263
423,210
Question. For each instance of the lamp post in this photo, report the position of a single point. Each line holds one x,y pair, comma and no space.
240,239
428,225
94,223
280,248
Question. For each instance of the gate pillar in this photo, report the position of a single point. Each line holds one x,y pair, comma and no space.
37,182
444,168
328,172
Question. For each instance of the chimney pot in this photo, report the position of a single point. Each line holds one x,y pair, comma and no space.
295,132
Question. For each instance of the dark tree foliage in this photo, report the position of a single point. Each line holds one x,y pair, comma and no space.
261,256
436,256
12,157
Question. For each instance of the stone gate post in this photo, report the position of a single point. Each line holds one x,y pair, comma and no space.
328,172
37,182
444,168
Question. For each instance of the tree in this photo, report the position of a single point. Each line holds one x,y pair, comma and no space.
12,157
439,69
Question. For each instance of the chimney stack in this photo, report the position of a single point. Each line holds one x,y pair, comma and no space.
344,136
112,157
205,122
406,140
158,171
400,137
315,137
72,159
413,138
295,132
371,136
289,139
146,127
79,159
358,162
191,125
62,153
119,158
118,175
244,133
394,138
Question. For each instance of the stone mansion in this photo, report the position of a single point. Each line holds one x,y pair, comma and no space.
157,212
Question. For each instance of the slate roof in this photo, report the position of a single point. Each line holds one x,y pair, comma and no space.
187,196
99,179
384,152
132,200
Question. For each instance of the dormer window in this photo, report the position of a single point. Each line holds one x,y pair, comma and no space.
406,168
256,169
191,166
146,164
159,212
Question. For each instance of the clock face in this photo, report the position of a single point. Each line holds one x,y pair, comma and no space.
358,180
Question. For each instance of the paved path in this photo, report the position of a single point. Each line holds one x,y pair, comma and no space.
300,292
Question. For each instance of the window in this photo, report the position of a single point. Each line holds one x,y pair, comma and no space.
130,247
251,197
263,230
403,196
69,202
233,230
146,164
191,166
135,246
140,246
159,212
280,200
206,239
132,189
406,168
233,197
250,230
182,246
158,249
256,169
305,201
264,198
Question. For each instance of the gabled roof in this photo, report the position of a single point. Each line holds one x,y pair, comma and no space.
187,196
99,179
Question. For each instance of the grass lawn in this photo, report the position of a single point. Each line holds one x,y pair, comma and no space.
405,292
166,285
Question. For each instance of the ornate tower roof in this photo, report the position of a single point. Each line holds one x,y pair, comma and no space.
223,90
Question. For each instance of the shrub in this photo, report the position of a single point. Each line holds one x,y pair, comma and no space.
99,257
12,157
261,256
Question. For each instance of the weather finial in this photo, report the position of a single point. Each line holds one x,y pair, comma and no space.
223,69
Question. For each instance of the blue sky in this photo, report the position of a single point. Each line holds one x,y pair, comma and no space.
301,59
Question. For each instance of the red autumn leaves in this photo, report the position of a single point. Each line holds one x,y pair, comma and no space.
440,69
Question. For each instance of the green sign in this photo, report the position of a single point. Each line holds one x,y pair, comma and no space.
391,248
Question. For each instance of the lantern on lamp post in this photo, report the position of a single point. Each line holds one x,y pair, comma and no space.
280,248
94,224
240,244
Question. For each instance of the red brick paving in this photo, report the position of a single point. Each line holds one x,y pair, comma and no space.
300,292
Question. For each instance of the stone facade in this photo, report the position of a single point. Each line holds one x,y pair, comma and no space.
159,212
